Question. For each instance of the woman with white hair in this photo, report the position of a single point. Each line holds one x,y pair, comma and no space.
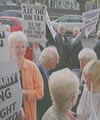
89,105
31,80
64,88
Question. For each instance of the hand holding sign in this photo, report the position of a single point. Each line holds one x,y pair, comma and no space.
90,20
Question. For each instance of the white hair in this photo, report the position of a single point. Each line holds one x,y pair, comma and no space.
87,53
63,86
47,54
16,36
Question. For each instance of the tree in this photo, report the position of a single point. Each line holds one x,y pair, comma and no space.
82,5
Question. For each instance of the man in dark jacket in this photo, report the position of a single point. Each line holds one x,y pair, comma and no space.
63,48
97,45
47,61
76,46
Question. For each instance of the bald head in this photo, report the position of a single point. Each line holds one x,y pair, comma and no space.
76,31
61,29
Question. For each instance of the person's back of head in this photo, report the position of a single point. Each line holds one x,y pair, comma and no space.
49,57
86,55
64,88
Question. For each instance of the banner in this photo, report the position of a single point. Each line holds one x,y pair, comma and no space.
10,90
90,20
34,22
4,54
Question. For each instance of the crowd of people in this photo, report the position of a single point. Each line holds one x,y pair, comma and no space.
60,81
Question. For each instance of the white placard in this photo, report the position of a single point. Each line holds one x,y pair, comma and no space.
34,22
90,20
10,90
4,54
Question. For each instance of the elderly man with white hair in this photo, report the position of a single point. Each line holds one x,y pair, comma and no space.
84,56
97,45
64,88
47,61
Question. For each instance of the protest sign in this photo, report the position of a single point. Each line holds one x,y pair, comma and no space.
10,90
90,20
4,54
34,22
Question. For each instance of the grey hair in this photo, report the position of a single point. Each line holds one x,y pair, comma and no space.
87,53
98,34
59,26
16,36
63,85
47,54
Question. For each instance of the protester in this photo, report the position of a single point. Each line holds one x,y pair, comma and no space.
62,45
28,53
33,51
8,31
64,88
37,49
89,104
84,56
97,45
76,46
47,61
31,80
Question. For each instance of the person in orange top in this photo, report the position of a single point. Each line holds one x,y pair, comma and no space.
31,80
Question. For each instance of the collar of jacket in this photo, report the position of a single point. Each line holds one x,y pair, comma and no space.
25,63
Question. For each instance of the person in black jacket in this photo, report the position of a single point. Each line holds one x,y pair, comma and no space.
97,45
63,48
76,46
